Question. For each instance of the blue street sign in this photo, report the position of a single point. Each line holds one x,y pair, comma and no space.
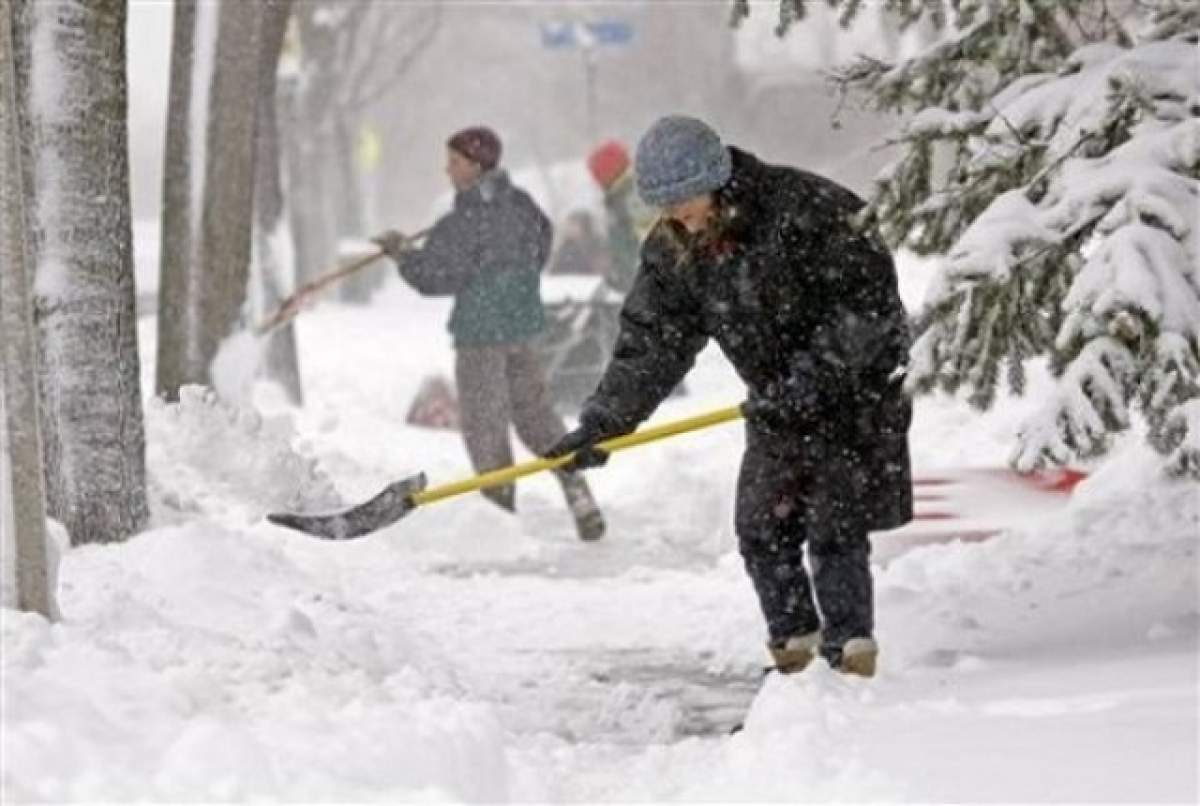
611,32
558,34
575,34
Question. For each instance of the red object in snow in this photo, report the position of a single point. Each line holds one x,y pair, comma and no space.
933,515
435,406
975,504
1058,480
1061,480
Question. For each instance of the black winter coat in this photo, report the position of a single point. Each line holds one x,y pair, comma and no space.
807,310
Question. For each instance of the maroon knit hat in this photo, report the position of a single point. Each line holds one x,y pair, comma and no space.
478,144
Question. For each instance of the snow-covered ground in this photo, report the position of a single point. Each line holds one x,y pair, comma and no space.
467,655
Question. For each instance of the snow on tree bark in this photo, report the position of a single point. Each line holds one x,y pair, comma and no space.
73,110
1068,213
23,513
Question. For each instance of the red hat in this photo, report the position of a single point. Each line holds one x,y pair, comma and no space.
607,162
478,144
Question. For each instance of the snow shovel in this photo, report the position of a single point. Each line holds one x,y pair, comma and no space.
295,303
403,496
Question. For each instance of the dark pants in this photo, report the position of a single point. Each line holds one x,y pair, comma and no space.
784,505
497,385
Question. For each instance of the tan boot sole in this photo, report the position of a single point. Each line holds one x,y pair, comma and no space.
793,661
860,663
796,657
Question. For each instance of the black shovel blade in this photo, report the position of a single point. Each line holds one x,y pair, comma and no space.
389,506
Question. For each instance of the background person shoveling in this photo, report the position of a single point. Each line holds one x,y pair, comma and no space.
488,253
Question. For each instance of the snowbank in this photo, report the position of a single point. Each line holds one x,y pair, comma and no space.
1118,567
208,458
205,661
198,663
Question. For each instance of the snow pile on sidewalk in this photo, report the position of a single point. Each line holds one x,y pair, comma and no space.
209,458
213,660
200,663
1117,566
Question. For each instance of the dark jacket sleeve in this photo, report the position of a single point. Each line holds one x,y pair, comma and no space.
661,332
447,262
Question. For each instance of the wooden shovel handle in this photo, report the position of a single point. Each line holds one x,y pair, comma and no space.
295,303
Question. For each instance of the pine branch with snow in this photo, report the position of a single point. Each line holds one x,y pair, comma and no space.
1053,157
1100,242
1181,438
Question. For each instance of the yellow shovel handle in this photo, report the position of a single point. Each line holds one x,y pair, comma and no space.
504,475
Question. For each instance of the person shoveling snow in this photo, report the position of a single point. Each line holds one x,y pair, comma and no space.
488,253
764,260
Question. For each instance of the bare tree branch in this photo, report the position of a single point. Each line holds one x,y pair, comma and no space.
386,79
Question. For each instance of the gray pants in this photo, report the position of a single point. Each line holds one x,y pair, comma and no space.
497,385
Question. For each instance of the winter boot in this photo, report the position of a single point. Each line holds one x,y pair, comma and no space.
589,523
794,654
857,656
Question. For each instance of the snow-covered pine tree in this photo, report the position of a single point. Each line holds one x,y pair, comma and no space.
1053,156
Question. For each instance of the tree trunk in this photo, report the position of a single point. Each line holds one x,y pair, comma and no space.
281,364
351,210
288,118
351,214
306,128
226,219
175,306
74,112
23,515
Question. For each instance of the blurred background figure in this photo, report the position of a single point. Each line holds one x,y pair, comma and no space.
580,250
628,218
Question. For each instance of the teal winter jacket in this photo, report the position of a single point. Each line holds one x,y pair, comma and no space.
488,253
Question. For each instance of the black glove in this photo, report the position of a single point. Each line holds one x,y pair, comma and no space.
393,243
582,442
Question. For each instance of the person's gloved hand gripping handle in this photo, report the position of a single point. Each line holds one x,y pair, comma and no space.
582,442
393,243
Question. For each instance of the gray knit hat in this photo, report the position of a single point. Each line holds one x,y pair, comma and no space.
678,158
